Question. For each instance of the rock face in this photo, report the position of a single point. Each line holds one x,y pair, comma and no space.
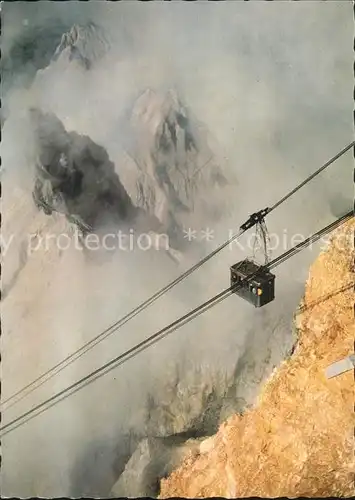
171,169
84,44
154,458
31,51
75,176
38,46
189,407
298,440
166,175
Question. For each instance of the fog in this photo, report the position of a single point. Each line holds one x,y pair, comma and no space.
273,83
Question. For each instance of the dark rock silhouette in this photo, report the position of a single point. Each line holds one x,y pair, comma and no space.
74,176
173,168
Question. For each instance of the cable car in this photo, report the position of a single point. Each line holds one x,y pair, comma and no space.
256,284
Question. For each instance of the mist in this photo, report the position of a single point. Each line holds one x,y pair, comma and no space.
272,83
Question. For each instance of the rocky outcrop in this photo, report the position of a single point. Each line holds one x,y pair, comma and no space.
298,439
171,168
193,401
166,174
153,459
75,177
85,44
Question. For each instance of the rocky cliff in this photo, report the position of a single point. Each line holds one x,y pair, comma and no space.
298,440
38,46
170,166
75,176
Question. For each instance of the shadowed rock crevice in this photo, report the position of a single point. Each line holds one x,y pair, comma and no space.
75,176
85,44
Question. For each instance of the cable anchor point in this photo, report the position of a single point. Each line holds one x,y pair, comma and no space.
255,218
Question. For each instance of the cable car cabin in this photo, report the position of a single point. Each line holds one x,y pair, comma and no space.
259,288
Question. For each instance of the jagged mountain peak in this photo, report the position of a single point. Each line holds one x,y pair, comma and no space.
176,166
84,43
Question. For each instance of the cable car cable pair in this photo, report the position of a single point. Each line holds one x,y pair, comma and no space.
256,218
156,337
